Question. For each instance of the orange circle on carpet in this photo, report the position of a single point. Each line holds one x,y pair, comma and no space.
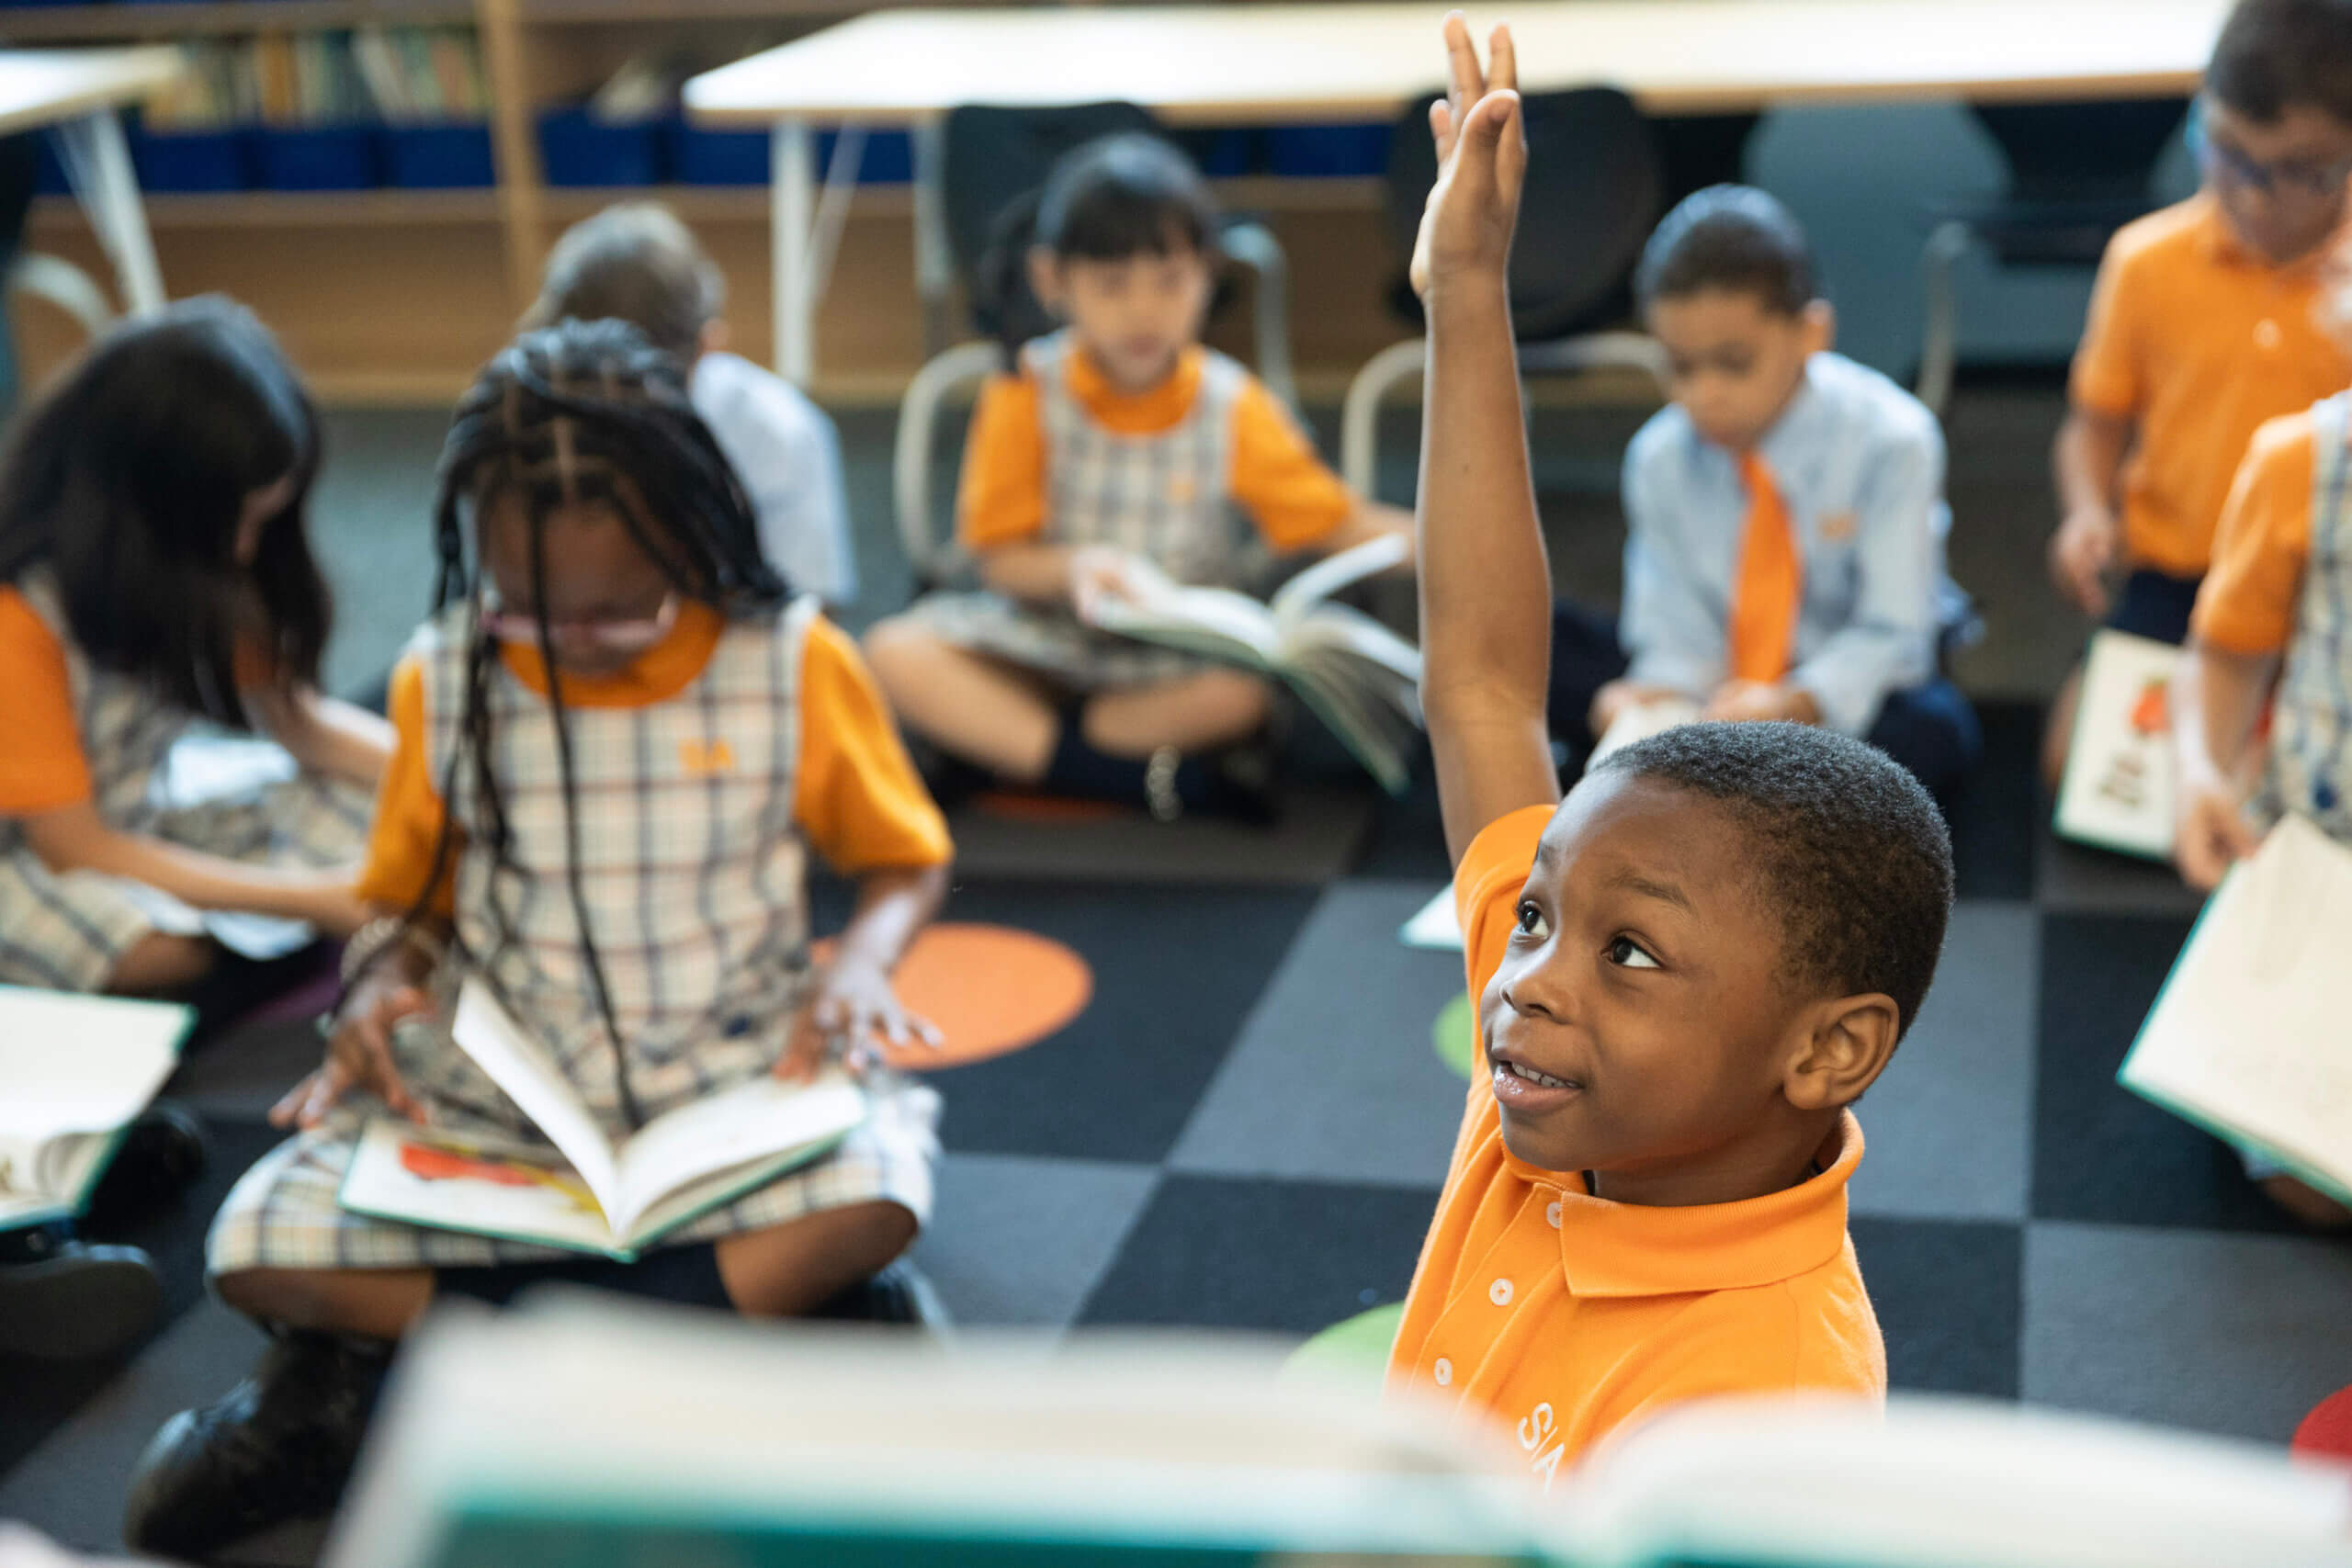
991,989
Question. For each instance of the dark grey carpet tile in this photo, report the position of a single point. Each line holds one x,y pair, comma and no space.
1948,1299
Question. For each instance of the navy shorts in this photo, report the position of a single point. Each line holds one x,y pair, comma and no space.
2154,604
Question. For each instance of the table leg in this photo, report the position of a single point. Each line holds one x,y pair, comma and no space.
97,163
934,263
793,153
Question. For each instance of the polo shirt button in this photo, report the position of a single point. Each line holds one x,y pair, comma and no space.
2266,335
1499,1292
1443,1372
1552,1214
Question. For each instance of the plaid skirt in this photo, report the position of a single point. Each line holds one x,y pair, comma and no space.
68,931
1051,644
285,1212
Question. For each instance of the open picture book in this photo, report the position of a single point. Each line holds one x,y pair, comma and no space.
2118,790
599,1196
74,1072
2249,1037
1361,680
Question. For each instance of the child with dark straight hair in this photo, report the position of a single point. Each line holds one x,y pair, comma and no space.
637,263
1686,971
1115,439
617,743
156,582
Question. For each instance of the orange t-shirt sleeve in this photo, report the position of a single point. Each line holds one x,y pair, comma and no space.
1277,476
1001,500
1487,888
859,798
43,766
408,811
2247,605
2106,375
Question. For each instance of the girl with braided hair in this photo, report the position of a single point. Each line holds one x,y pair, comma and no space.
617,740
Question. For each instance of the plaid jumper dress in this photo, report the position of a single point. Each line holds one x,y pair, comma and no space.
1165,496
2309,768
693,871
163,772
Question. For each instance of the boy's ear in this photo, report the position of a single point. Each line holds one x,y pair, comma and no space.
1819,322
1847,1045
1045,278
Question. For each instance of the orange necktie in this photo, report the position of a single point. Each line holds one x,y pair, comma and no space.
1764,598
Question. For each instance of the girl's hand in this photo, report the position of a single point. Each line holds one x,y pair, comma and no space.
853,1003
1098,572
359,1054
2210,833
1481,164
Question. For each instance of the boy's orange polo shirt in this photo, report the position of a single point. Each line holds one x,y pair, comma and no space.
1568,1318
2197,342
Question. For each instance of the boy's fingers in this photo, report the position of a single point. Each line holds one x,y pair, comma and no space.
1465,83
1502,60
1441,130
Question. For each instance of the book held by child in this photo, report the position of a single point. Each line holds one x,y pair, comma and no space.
2118,790
77,1070
2248,1039
617,1198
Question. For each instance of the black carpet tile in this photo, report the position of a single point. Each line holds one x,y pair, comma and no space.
1283,1257
1948,1301
2102,1155
1995,811
40,1396
1176,970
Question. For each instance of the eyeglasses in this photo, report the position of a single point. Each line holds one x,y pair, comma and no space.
502,625
2287,181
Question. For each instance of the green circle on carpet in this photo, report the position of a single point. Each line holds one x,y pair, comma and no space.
1353,1350
1454,1036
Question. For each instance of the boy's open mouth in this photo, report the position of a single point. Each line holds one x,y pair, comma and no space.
1519,1084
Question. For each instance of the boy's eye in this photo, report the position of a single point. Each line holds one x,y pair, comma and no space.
1626,953
1530,919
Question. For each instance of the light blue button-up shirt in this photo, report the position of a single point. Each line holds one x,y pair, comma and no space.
787,456
1860,462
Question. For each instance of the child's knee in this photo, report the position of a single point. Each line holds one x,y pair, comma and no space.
899,648
796,1268
160,964
379,1302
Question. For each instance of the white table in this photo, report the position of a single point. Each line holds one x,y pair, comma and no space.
1222,64
77,92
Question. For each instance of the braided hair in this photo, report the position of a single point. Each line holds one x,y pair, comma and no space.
580,413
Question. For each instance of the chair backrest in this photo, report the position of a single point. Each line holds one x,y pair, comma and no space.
992,160
1596,186
2104,150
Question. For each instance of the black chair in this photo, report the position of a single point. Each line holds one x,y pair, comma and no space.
2077,173
992,162
1596,186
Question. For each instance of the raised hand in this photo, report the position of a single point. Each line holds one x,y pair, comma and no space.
1482,162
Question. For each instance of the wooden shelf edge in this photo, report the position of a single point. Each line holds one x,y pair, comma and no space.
78,24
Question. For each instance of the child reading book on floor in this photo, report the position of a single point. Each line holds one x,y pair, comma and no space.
1117,439
1784,516
2269,628
1686,971
617,745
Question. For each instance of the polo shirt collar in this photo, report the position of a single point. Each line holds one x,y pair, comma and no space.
1156,407
1633,1250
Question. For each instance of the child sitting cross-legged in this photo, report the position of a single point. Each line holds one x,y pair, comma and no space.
1686,971
1116,438
617,747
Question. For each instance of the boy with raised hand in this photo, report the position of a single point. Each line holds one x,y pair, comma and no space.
1686,971
2202,327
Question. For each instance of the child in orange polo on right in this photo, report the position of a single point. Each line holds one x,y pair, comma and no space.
1686,971
2202,327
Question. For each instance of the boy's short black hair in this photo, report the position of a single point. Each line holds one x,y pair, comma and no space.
2275,55
1850,852
1123,195
1732,237
635,263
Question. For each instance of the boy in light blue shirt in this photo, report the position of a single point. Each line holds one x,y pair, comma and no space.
1785,520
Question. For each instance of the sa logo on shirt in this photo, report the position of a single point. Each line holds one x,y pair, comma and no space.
704,758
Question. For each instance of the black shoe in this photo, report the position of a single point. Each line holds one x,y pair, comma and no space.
899,1294
278,1447
162,1155
67,1301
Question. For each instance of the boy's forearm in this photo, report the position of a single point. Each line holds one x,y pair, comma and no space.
1486,587
2088,459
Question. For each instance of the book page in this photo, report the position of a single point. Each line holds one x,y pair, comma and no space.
1217,622
77,1064
521,1067
1641,721
723,1130
466,1182
2118,789
1294,598
2248,1033
1338,629
1435,925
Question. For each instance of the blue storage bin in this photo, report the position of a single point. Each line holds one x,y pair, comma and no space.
321,157
579,149
1220,154
194,159
438,157
704,157
1328,151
